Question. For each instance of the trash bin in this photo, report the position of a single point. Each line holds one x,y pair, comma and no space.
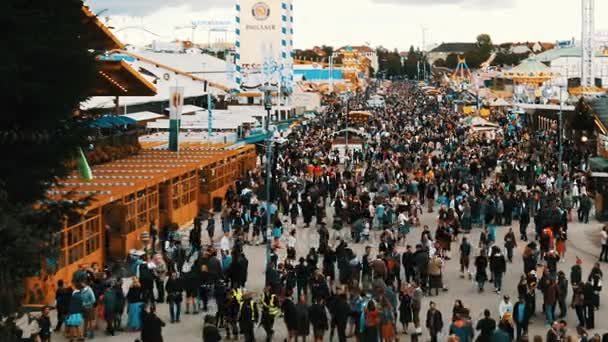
217,204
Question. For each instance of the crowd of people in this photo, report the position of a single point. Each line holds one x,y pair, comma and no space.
413,157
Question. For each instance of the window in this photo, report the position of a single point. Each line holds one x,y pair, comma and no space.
92,244
75,235
75,253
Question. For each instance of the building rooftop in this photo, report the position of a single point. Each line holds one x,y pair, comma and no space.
454,47
553,54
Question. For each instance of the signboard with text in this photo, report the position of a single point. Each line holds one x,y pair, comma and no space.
260,32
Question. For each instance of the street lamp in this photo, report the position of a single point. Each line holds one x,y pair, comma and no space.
560,176
345,101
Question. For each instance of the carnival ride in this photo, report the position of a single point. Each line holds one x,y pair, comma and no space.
485,66
462,74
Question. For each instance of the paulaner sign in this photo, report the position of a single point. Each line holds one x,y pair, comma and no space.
260,24
261,27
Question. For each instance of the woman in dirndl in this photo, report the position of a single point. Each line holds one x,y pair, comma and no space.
75,319
135,300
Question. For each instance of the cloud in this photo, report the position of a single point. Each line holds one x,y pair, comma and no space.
144,7
469,4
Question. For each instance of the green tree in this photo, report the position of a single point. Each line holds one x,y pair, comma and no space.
452,61
411,64
46,73
440,63
329,50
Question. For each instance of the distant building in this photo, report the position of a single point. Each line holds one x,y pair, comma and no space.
567,62
445,49
362,51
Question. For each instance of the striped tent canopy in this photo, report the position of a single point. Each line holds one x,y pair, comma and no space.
530,71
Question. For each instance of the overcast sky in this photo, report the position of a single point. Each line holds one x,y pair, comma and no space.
391,23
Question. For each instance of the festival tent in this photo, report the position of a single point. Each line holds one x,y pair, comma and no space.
478,122
499,103
529,71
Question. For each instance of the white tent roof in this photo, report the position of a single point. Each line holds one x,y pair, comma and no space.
200,65
189,109
222,119
479,122
144,116
499,103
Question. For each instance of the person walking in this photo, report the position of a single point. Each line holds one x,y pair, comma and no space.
498,267
524,221
75,316
109,312
211,333
44,325
510,244
152,326
318,319
372,323
604,244
481,264
63,295
135,300
486,327
434,321
387,321
405,307
562,284
435,272
505,307
521,318
550,296
248,316
303,319
175,290
465,254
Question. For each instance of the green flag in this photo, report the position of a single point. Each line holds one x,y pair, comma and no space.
83,166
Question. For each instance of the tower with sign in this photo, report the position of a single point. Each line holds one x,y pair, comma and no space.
264,35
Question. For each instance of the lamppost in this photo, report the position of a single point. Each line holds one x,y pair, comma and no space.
560,133
345,102
268,107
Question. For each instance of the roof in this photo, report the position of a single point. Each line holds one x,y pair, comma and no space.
204,66
360,48
221,119
553,54
529,70
162,76
110,121
158,58
454,47
98,36
189,109
319,74
144,116
130,175
118,78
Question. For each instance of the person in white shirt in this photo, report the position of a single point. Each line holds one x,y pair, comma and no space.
225,242
505,306
604,244
291,245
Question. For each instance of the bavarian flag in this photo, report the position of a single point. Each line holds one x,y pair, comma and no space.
83,166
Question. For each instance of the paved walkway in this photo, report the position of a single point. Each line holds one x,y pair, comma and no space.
582,242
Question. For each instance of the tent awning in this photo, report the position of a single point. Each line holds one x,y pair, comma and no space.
598,164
